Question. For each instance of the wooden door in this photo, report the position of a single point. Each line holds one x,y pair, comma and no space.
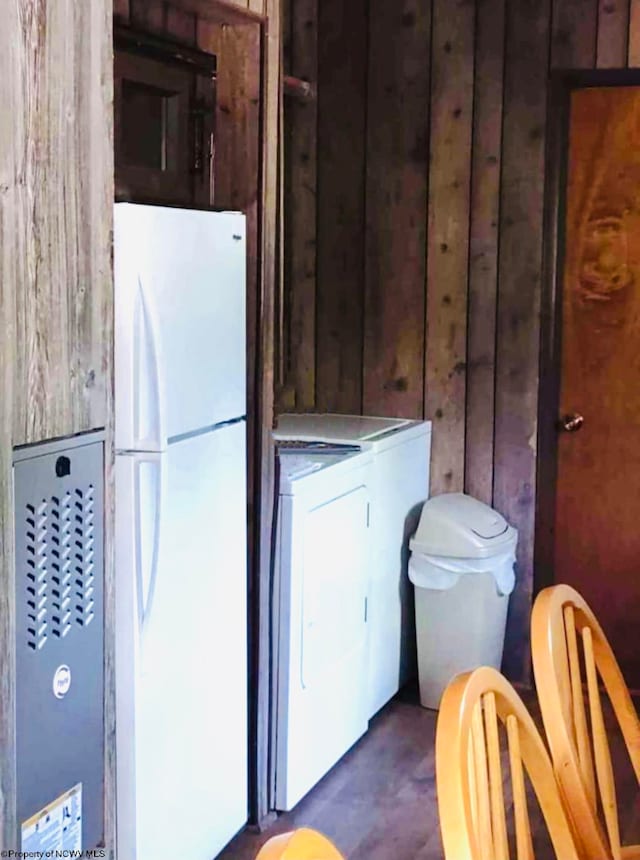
597,528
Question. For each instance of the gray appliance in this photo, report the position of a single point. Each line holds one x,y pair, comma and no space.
58,509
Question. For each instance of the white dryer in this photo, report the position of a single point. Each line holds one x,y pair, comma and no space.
320,586
398,485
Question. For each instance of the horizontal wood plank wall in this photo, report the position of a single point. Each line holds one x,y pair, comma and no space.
56,204
470,364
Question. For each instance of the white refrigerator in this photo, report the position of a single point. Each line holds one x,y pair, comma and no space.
181,585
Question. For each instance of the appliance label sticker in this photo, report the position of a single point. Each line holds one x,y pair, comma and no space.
57,827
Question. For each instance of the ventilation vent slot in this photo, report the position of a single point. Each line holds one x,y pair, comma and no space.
83,555
60,561
61,565
37,584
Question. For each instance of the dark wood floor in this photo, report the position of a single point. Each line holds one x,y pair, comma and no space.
379,802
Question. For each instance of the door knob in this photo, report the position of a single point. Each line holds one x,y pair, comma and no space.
571,422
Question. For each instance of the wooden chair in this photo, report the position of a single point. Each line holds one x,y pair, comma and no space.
302,844
471,798
565,635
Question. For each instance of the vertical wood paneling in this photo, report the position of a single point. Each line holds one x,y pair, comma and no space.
522,196
573,35
633,57
148,15
342,64
287,35
287,294
613,27
60,349
265,390
480,336
448,242
301,120
483,263
237,112
181,25
56,202
121,9
237,155
396,206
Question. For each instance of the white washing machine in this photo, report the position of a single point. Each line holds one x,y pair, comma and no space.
398,485
319,602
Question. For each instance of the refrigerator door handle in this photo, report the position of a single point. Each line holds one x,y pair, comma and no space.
157,531
153,502
150,424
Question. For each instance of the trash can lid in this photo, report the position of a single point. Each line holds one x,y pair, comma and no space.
455,525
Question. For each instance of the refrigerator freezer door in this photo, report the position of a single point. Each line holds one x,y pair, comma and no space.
180,338
182,648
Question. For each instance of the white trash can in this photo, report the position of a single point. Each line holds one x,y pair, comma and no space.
461,564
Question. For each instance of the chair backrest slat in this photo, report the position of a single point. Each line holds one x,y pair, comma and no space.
496,792
480,785
469,770
558,613
580,729
473,786
524,843
602,753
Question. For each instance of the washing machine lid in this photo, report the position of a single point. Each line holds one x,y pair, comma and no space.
298,464
364,430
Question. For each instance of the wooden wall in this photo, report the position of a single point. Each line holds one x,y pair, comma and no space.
414,225
56,198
